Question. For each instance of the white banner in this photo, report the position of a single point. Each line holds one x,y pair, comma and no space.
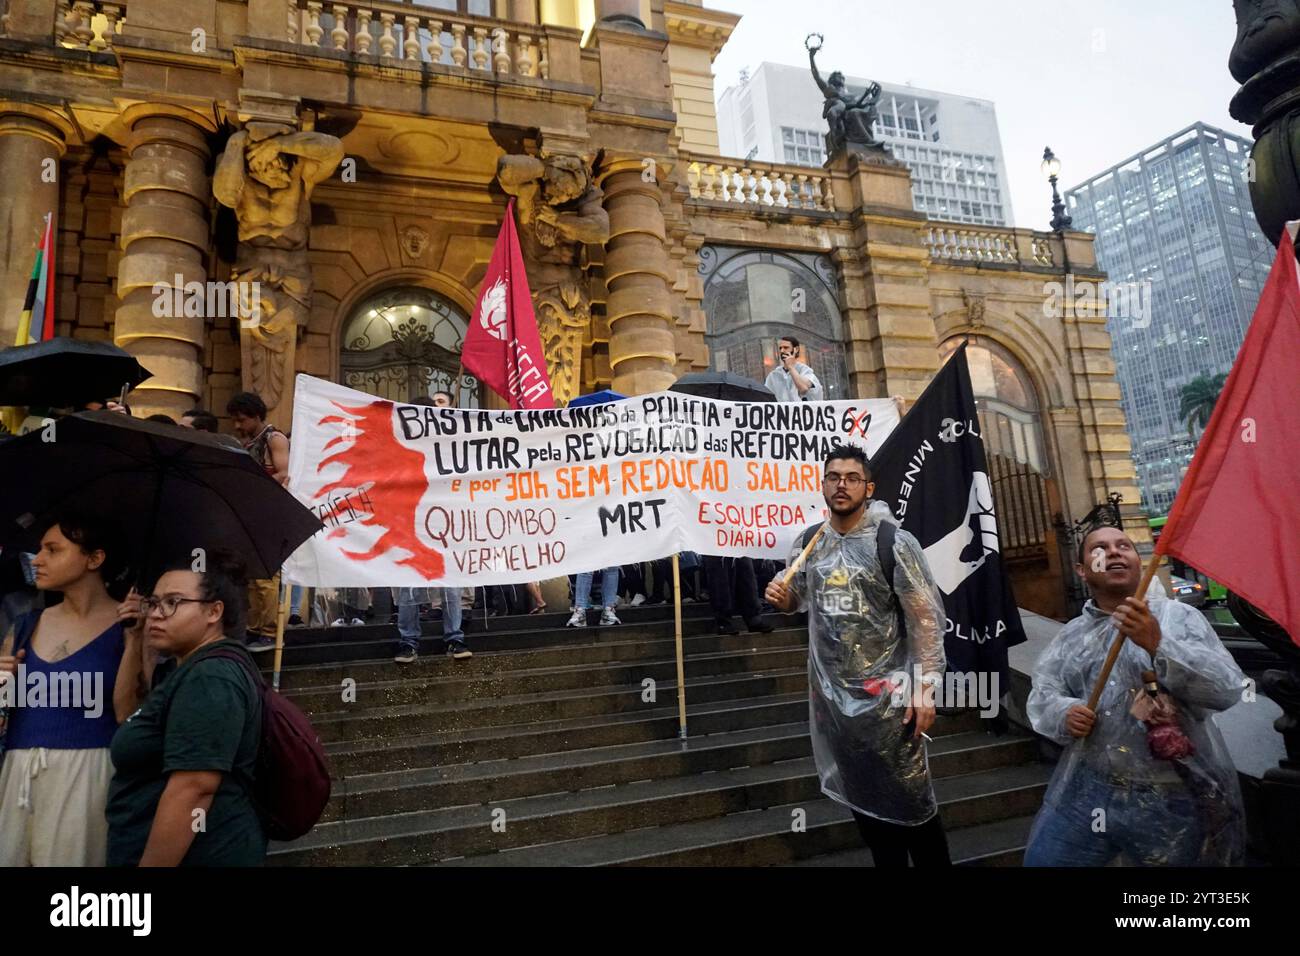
412,495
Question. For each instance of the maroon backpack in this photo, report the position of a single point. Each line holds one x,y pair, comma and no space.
291,784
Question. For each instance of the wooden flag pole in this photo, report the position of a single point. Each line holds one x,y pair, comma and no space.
681,663
1115,646
803,556
281,617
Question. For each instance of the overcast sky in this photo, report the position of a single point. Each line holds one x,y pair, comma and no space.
1097,80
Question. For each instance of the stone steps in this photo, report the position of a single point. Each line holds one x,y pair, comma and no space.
971,806
625,645
550,727
406,790
428,836
548,705
488,743
439,687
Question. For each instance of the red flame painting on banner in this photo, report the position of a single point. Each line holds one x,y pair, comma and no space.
375,459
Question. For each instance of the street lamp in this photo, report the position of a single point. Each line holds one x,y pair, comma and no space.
1051,169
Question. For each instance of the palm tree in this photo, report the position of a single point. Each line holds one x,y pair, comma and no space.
1197,399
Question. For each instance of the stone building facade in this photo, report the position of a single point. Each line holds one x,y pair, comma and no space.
355,158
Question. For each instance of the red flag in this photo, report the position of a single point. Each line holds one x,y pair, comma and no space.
1237,514
503,347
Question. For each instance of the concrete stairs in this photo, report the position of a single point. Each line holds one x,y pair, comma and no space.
547,748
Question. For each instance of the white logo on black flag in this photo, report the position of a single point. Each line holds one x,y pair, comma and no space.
932,473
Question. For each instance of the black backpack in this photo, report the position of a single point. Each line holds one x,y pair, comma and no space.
885,533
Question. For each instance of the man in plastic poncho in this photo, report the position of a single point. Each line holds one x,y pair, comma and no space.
1111,799
868,723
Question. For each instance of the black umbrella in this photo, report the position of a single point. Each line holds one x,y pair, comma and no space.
170,489
727,386
66,373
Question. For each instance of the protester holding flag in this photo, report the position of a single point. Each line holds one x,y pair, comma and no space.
867,624
1150,758
1173,797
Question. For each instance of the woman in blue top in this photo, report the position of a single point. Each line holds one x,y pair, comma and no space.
71,674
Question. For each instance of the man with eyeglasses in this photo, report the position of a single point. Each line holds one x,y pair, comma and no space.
792,380
875,655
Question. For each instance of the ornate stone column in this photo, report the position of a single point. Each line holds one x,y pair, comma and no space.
33,138
165,234
642,349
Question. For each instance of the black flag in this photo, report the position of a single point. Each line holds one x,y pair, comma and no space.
932,473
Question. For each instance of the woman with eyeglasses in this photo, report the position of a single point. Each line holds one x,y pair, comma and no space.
183,763
70,674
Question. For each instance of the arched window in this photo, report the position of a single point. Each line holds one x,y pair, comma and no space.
753,297
1010,424
1007,401
404,343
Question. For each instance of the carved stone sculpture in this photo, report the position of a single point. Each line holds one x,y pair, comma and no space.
560,211
266,175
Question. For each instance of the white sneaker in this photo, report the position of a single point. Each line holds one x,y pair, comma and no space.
338,623
357,622
578,618
608,617
638,600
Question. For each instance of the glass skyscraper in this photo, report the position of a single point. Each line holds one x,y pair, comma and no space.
1175,221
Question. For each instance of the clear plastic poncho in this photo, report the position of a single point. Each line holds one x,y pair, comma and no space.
867,758
1185,811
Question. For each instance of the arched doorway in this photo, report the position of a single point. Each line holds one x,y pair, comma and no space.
752,297
405,342
1020,472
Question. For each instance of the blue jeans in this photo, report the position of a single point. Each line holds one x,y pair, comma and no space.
1149,825
608,589
408,620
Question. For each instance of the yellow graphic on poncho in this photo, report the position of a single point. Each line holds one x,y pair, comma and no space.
838,578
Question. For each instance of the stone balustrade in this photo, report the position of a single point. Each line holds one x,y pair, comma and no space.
396,32
1041,250
717,179
959,243
88,24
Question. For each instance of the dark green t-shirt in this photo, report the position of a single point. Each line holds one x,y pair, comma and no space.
205,715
